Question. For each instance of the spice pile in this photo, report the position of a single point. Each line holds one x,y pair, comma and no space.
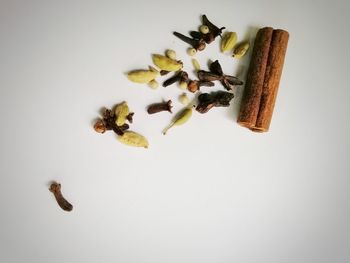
169,64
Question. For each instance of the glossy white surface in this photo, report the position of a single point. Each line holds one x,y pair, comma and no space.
209,191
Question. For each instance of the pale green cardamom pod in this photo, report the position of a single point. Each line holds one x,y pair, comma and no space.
241,49
133,139
228,41
121,111
181,118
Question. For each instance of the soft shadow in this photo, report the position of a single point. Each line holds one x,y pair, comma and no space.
241,72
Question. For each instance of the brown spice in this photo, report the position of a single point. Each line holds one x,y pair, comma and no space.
158,107
263,79
179,76
55,188
194,85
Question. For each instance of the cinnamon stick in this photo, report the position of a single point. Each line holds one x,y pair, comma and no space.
272,79
255,78
263,79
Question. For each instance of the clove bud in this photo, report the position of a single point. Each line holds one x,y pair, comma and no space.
55,188
158,107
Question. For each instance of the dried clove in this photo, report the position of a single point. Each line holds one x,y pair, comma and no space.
216,73
158,107
179,76
216,31
216,68
194,85
214,99
55,188
198,44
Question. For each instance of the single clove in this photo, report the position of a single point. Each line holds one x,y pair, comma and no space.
216,31
179,76
206,101
158,107
198,44
194,85
55,188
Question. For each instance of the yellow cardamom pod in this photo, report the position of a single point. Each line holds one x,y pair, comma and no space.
196,64
133,139
241,49
121,112
143,76
165,63
228,41
181,118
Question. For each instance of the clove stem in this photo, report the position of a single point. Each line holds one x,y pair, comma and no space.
55,188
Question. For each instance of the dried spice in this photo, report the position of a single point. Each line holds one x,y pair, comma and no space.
241,49
207,38
183,85
143,76
216,73
180,118
109,122
121,112
133,139
55,188
197,44
206,34
206,101
165,63
179,76
153,84
216,31
184,99
158,107
191,52
170,54
228,41
204,29
194,85
196,64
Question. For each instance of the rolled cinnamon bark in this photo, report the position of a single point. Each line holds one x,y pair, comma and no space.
263,79
255,78
272,79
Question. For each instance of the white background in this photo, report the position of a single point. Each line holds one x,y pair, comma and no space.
209,191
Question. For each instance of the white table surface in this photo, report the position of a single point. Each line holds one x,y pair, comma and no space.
210,191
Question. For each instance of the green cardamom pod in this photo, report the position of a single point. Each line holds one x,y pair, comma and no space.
121,112
241,49
181,118
165,63
228,41
133,139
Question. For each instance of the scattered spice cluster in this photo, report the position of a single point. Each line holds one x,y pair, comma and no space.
116,120
167,63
